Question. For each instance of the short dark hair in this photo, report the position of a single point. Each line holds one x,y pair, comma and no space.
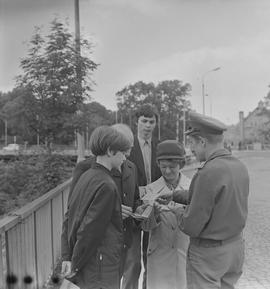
147,110
104,138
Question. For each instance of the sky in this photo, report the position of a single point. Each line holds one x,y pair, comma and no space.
155,40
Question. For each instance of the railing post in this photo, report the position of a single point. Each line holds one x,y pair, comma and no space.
2,281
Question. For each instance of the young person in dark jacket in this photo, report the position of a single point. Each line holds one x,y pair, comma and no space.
143,155
125,178
94,244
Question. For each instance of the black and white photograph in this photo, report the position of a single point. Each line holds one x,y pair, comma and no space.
134,144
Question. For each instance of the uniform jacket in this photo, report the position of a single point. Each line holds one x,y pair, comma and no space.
137,158
166,256
94,230
218,198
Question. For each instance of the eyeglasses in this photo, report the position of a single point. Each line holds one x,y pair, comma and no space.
172,167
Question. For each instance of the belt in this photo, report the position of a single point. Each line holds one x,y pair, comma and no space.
214,243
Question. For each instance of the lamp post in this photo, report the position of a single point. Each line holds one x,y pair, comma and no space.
210,103
177,121
177,126
203,86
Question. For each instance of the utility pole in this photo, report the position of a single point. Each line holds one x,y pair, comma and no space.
177,120
6,133
116,116
203,95
159,136
184,125
80,138
177,126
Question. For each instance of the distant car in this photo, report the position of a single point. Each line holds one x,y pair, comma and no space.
11,147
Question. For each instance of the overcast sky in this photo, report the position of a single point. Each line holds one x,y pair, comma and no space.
154,40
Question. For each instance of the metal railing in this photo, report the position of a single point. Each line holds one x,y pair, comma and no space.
30,239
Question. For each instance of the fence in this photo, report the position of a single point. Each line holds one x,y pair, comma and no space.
30,239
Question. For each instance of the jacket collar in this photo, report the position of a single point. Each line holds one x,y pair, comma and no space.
216,154
99,166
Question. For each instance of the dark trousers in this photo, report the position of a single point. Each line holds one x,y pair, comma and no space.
144,252
215,266
132,268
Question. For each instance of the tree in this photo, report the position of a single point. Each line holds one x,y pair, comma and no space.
93,114
264,129
172,96
267,99
12,110
49,76
169,96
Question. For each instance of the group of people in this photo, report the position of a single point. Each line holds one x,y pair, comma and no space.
191,237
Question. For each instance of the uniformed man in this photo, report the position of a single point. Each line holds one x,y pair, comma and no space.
217,209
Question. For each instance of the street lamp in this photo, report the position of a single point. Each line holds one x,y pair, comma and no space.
203,86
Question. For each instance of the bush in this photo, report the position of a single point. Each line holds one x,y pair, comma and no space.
29,177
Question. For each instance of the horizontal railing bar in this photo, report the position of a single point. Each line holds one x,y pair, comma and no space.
16,216
8,222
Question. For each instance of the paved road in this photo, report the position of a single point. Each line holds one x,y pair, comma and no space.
257,233
256,273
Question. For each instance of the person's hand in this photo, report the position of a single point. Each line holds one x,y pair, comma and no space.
164,201
157,208
141,209
66,268
126,212
165,195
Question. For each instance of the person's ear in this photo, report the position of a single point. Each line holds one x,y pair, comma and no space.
182,163
203,141
109,153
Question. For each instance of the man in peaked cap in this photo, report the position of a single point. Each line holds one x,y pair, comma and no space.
217,209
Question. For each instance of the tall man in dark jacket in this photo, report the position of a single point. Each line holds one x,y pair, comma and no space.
143,155
217,209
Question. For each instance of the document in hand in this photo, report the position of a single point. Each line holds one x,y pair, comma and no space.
153,192
144,215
